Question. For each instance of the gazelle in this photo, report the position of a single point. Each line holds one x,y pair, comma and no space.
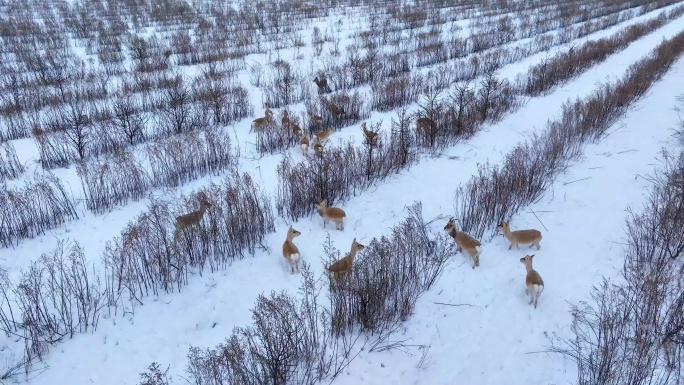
304,144
290,250
424,124
323,135
334,214
296,130
335,110
532,279
531,236
322,84
464,241
285,121
318,147
342,267
370,136
193,218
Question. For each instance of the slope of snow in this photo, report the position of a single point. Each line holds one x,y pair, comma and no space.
485,343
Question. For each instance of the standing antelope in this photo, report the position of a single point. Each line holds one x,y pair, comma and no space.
342,267
532,279
334,214
323,135
464,241
322,84
290,250
318,147
296,130
370,136
423,124
285,121
304,144
532,236
193,218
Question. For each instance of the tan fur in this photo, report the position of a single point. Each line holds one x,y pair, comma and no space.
263,121
304,145
290,249
318,120
193,218
285,121
334,214
371,137
322,84
464,241
323,135
296,130
318,147
335,110
518,237
423,124
342,267
532,278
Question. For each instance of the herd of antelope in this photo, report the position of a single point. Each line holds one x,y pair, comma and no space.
534,283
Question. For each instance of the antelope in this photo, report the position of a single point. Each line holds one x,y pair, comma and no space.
423,124
318,147
304,144
335,110
464,241
296,130
342,267
193,218
318,120
323,135
531,279
322,84
334,214
370,136
285,121
532,236
290,250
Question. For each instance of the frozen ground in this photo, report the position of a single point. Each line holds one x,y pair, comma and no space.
485,341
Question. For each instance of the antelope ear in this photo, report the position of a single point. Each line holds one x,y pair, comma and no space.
532,256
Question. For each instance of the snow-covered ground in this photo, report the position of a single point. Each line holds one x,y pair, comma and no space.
492,338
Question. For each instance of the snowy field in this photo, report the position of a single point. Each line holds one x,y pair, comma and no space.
472,326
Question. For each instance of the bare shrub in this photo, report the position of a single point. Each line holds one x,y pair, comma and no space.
129,118
57,297
272,138
10,167
385,283
289,342
498,192
185,157
112,181
632,331
154,376
42,204
342,109
285,85
395,92
146,259
342,171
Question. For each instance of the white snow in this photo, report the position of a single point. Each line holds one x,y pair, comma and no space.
492,338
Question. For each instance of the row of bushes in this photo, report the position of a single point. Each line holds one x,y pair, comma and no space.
116,179
60,295
631,331
10,166
499,192
40,205
343,171
298,340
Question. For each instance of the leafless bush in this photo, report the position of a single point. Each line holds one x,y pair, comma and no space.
342,171
128,117
272,138
185,157
177,112
342,109
289,342
633,331
384,285
498,192
227,102
148,258
285,85
42,204
10,167
112,181
57,297
154,376
395,92
550,73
